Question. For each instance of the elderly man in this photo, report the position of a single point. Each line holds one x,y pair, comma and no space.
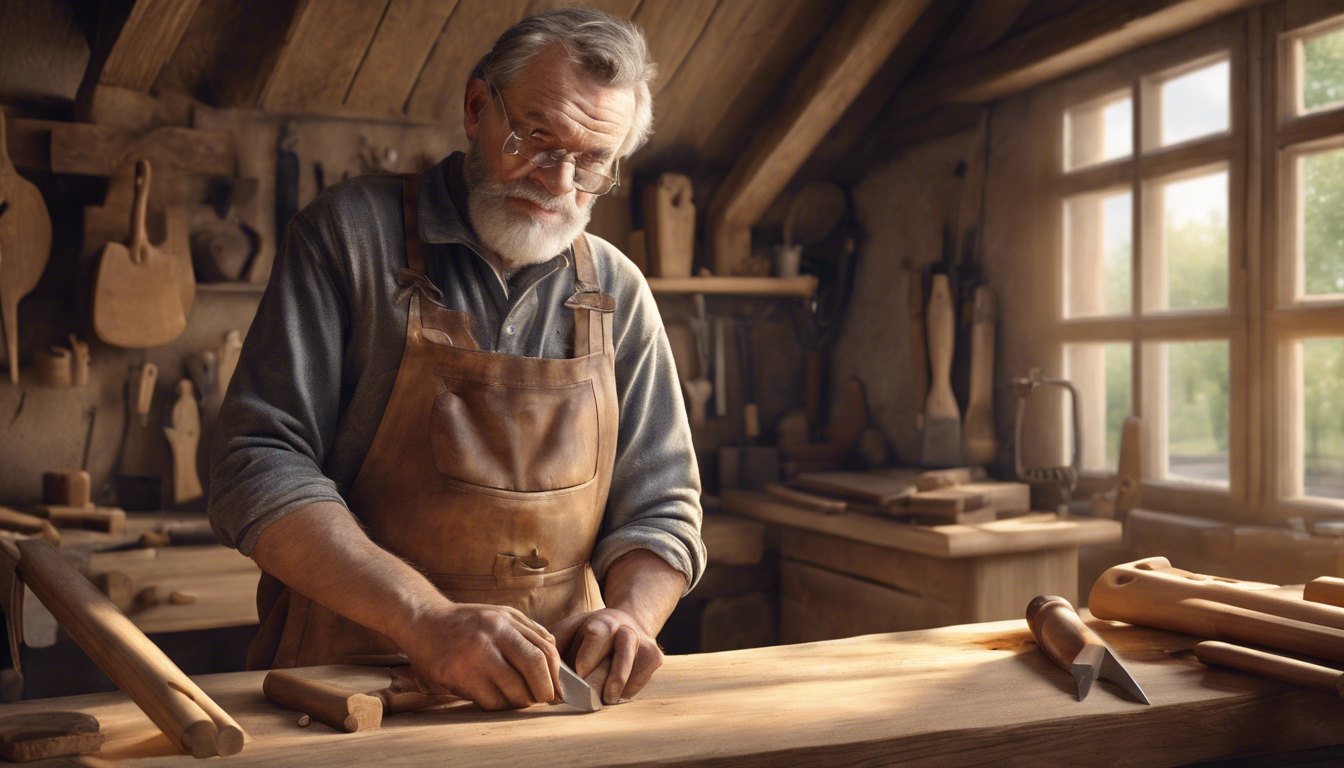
456,413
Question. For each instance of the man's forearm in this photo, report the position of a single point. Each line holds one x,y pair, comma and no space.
646,587
321,552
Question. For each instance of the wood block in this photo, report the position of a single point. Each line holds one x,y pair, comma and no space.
945,503
1327,589
947,478
1002,497
731,540
39,735
969,517
67,489
737,622
108,519
810,501
863,487
28,525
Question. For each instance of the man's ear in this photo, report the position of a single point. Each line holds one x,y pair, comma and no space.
475,103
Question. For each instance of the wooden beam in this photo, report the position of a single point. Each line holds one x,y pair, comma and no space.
398,52
854,128
146,42
983,25
846,59
1083,37
322,53
468,35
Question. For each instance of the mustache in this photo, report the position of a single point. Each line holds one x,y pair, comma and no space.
529,191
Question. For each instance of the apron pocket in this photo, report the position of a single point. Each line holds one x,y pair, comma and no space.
516,438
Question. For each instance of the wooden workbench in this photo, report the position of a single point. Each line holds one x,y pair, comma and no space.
853,574
969,695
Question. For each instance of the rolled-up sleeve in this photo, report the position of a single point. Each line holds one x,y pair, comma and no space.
282,409
655,488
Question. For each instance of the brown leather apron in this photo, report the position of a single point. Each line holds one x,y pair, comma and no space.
488,472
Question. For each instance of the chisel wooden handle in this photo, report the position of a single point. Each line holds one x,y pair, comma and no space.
1059,630
941,331
342,710
1271,665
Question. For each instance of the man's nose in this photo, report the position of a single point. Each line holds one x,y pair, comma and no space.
557,180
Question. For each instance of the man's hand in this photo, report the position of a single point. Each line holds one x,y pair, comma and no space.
591,637
493,655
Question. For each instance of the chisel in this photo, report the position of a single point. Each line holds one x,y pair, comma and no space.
1074,646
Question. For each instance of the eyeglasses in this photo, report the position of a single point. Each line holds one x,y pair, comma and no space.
589,176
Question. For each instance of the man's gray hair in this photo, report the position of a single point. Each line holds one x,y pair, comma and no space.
607,48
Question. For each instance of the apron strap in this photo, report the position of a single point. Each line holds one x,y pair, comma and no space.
592,308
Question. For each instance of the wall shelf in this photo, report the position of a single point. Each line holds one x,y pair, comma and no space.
801,287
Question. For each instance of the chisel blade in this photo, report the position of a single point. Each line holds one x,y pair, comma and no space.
1114,671
576,692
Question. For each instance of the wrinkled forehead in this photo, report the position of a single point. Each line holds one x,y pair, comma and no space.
552,96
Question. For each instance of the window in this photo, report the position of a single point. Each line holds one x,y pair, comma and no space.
1201,245
1146,229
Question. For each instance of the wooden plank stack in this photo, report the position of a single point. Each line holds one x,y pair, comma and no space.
950,496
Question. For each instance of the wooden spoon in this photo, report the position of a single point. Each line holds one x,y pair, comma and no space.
25,245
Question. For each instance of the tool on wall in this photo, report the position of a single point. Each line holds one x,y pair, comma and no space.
919,355
1063,477
942,416
191,720
25,246
1124,496
669,225
184,434
143,292
1073,645
61,366
978,442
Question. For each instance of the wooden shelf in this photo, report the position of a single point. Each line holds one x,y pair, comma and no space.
801,287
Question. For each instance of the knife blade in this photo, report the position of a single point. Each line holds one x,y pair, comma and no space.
1074,646
576,692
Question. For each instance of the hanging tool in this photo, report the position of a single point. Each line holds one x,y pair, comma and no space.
1064,477
184,433
919,356
978,442
1119,500
942,417
1074,646
25,246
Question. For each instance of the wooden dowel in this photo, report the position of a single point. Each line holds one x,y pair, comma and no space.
1270,665
185,714
343,710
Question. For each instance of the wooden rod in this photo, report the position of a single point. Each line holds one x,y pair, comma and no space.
1270,665
347,711
187,716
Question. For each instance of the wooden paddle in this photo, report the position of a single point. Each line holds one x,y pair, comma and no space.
144,292
25,245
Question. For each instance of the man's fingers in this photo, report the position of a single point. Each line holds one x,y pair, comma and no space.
486,695
538,661
595,639
626,644
647,661
511,682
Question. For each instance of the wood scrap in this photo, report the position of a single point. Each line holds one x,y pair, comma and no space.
40,735
107,519
817,503
934,479
864,487
1327,590
28,525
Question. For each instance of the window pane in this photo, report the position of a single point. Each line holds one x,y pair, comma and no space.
1099,132
1193,272
1323,70
1322,222
1323,417
1098,234
1102,374
1196,104
1197,410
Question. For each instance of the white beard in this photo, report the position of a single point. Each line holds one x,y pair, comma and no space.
514,236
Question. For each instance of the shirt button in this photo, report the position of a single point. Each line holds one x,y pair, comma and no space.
509,330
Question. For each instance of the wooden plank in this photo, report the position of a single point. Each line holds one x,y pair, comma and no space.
229,51
322,53
470,32
843,63
398,52
1020,534
1080,38
970,695
801,287
672,27
146,42
98,150
983,25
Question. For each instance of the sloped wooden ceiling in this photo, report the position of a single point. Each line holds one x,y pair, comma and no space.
721,62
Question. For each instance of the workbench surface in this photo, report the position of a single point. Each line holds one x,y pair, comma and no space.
969,695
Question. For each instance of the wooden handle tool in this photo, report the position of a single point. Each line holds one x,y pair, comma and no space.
190,719
919,357
978,442
1271,665
1074,646
184,435
942,417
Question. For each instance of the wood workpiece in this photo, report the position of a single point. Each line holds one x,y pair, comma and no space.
974,695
